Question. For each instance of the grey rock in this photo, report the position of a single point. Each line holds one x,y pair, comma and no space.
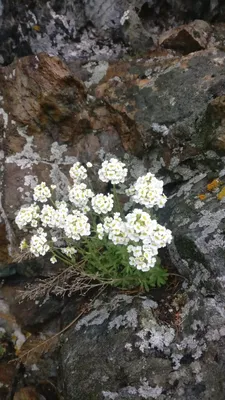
198,248
92,29
112,355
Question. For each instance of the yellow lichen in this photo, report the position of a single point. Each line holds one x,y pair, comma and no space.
213,185
202,196
221,194
36,28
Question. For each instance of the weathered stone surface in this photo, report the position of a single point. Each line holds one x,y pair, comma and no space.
120,351
7,374
26,393
196,217
41,92
168,98
92,29
187,38
48,122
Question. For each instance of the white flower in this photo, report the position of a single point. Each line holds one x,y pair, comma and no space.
61,213
69,251
28,215
79,195
77,172
116,229
48,214
141,258
113,171
102,204
53,259
41,193
148,191
100,231
77,225
38,244
89,165
161,236
139,225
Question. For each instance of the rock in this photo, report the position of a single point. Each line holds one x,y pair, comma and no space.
48,122
195,215
187,38
121,351
168,99
213,122
27,393
40,91
134,32
93,29
28,314
7,375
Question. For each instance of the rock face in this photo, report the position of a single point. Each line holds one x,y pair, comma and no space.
120,351
167,111
47,123
98,29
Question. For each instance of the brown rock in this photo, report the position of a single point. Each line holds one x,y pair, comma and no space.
7,376
27,393
40,92
187,38
46,123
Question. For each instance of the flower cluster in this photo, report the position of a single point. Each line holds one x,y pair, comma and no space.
115,228
113,171
148,191
42,193
77,225
143,235
38,243
28,215
62,227
79,195
102,204
77,172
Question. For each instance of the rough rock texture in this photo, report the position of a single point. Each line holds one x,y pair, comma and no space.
97,28
168,112
176,104
121,350
47,122
187,38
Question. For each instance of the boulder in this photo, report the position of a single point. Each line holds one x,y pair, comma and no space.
122,350
187,38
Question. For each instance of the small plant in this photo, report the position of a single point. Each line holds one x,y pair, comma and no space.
93,233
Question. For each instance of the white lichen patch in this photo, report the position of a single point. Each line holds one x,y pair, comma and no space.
30,180
5,117
27,157
110,395
186,189
96,317
161,129
57,152
154,336
98,72
128,320
146,391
